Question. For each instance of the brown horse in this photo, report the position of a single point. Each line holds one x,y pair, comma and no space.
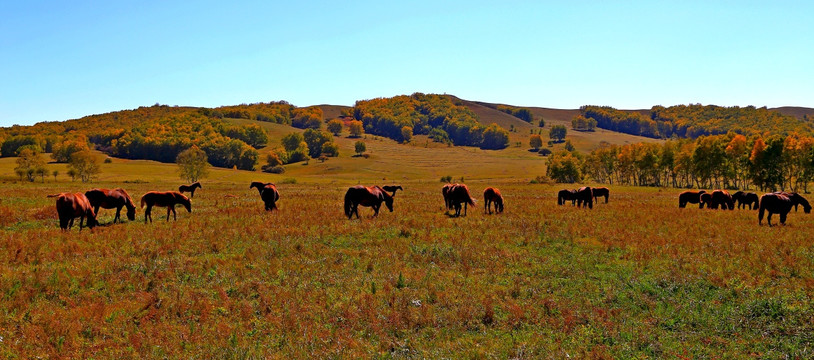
445,191
112,199
585,195
166,199
366,196
268,193
692,197
190,188
70,206
601,191
746,199
392,188
492,195
706,200
565,195
780,203
459,194
723,199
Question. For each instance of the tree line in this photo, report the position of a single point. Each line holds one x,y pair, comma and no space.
727,161
692,121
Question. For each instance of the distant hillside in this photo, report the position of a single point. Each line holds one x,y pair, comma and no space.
796,111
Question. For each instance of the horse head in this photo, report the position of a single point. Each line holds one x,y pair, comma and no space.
797,199
131,211
387,198
183,200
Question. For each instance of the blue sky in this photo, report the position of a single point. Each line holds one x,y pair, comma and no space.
62,60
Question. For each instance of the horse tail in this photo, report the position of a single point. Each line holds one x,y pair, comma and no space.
143,201
471,201
52,195
762,210
348,204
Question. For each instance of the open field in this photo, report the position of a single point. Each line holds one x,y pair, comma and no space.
635,278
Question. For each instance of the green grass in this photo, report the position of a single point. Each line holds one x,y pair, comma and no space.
635,278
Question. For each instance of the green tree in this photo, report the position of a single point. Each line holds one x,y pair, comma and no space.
273,158
330,149
335,126
536,141
29,162
356,128
85,164
564,168
315,139
292,141
495,137
55,173
406,134
569,146
557,133
541,123
360,147
192,164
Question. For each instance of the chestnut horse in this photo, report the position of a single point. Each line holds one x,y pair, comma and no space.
112,199
166,199
692,197
366,196
565,195
601,191
780,203
459,194
190,188
721,198
445,191
268,193
584,196
492,195
746,199
70,206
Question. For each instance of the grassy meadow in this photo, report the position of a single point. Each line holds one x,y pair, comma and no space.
635,278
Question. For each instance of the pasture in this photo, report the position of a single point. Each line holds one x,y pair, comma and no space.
635,278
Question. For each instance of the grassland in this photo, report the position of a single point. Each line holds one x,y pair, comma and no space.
635,278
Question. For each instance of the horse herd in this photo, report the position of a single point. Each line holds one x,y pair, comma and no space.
456,198
778,202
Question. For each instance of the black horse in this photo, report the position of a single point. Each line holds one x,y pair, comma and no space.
585,196
565,195
780,203
190,188
268,193
746,199
692,197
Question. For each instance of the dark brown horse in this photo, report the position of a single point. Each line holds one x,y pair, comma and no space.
780,203
723,199
366,196
112,199
392,189
70,206
601,191
565,195
692,197
706,199
746,199
459,194
268,193
492,195
445,192
190,188
166,199
584,196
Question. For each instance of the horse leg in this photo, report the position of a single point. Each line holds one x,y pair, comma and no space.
769,218
168,213
783,218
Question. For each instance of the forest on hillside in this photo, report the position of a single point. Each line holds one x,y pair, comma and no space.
692,121
438,116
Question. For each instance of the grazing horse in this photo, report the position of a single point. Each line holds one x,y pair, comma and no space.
565,195
492,195
112,199
459,194
601,191
746,199
585,195
780,203
692,197
706,199
445,191
392,189
268,193
366,196
190,188
70,206
166,199
722,198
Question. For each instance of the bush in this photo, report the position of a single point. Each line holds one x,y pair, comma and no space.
108,160
446,179
273,169
544,151
335,126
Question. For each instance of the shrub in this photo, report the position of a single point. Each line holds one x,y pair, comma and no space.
273,169
446,179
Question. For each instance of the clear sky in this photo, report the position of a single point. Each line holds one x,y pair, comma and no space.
66,59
